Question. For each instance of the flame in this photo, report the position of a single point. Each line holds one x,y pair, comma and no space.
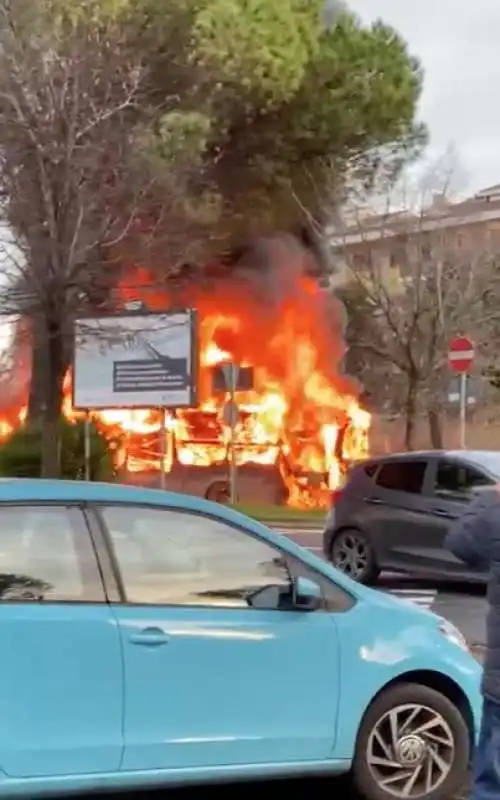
301,413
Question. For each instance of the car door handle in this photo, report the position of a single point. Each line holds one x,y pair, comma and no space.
149,637
374,500
441,512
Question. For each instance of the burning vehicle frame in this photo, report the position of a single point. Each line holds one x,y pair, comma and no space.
299,415
206,444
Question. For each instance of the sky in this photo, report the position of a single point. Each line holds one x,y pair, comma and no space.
458,45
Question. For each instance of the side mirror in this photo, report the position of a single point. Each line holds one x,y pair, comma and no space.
307,595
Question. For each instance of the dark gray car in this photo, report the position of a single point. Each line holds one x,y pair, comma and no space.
394,511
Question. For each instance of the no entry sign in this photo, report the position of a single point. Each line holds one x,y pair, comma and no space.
461,354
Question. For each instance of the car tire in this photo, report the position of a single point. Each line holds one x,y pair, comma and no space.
218,492
348,539
401,701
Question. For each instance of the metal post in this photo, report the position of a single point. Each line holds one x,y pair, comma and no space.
233,468
463,408
163,445
87,446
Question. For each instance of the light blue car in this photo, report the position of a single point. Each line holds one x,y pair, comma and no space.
152,639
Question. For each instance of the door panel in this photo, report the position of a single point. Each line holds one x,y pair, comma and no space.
442,514
452,483
61,670
209,678
61,673
421,547
398,516
228,686
405,534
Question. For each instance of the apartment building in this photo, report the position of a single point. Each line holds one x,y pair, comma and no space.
388,242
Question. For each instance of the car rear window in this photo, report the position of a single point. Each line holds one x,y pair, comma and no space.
486,459
402,476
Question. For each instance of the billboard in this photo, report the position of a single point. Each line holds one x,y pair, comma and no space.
135,360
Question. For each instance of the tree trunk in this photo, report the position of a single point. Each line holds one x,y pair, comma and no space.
36,399
411,411
49,365
435,428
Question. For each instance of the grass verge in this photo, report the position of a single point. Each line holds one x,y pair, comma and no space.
270,513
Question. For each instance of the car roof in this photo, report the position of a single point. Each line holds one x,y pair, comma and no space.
33,490
416,454
53,491
405,455
471,454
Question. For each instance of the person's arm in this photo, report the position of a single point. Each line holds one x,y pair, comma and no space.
472,538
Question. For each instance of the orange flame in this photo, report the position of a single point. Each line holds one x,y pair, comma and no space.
299,405
301,413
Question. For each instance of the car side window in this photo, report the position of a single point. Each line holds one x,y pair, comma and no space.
402,476
172,557
458,481
46,555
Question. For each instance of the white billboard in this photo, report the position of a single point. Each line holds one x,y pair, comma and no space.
137,360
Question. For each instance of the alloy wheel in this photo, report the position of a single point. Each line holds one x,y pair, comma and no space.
410,751
350,554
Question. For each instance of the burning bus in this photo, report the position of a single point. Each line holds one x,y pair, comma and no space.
299,419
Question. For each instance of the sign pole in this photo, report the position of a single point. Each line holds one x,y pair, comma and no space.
461,354
87,445
463,409
233,467
163,445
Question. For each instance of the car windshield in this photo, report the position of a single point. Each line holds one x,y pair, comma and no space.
488,460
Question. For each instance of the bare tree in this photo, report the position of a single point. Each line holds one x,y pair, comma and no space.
81,181
421,282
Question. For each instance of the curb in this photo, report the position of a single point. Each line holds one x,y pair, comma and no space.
283,524
302,531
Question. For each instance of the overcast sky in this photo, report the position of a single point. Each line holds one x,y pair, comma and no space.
458,44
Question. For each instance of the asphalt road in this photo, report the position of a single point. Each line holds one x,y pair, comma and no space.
298,789
463,605
319,788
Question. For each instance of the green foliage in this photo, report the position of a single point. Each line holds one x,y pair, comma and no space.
319,97
258,95
179,137
257,45
282,514
20,455
54,21
271,100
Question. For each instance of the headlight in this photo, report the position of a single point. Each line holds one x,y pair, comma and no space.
453,634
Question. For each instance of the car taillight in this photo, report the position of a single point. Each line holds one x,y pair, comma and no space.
335,496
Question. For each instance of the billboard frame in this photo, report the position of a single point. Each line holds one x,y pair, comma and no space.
142,312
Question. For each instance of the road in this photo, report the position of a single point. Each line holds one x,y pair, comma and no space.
463,605
319,788
298,789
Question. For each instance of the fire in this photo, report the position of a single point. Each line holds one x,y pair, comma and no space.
298,411
299,414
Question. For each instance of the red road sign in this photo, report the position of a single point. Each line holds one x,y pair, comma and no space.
461,354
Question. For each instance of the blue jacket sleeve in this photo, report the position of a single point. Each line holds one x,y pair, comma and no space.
475,537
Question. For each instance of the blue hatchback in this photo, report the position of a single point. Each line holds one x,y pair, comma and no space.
156,639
